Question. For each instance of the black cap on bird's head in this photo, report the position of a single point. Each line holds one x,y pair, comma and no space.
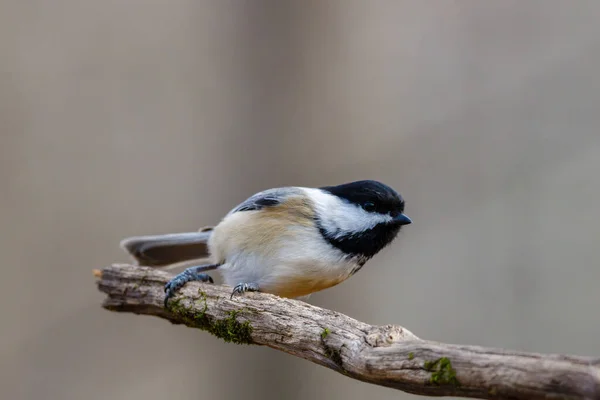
373,196
371,215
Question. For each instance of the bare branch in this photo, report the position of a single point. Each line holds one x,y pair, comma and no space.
383,355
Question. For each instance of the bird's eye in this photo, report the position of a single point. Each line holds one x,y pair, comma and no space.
369,206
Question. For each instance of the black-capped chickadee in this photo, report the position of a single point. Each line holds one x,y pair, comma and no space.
290,241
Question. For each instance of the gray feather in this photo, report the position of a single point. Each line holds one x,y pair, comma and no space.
172,249
179,249
266,198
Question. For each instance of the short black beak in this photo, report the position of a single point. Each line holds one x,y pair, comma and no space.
402,219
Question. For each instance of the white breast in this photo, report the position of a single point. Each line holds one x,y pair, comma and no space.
294,262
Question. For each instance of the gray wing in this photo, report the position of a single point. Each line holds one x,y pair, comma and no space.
266,198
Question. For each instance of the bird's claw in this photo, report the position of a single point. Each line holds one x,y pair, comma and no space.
244,287
179,280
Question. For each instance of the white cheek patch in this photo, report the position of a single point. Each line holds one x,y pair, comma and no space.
340,218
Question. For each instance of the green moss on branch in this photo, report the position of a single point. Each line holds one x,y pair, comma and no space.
229,329
442,372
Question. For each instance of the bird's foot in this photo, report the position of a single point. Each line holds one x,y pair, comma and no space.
181,279
244,287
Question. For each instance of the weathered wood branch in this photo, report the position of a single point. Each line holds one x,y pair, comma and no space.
389,355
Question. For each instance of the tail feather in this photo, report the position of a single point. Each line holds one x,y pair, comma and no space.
169,250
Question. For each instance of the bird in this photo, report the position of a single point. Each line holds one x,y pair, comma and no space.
288,241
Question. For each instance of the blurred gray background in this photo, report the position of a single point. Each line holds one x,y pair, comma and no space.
122,118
